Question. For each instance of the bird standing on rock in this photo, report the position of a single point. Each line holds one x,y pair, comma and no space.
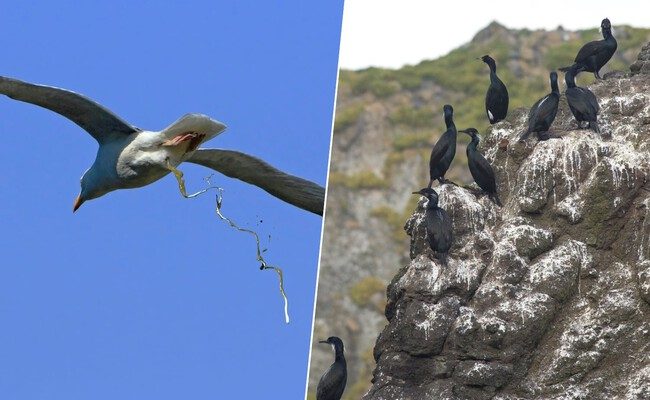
439,227
129,157
594,55
496,98
582,102
542,113
480,168
332,383
444,150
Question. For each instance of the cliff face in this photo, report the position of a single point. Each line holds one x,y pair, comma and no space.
386,123
549,296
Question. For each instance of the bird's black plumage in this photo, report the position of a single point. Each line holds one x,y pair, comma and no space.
444,150
542,113
496,98
582,101
480,168
594,55
332,383
439,227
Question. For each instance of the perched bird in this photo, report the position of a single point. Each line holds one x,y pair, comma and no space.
439,228
332,383
496,98
129,157
582,101
480,168
444,150
593,55
542,113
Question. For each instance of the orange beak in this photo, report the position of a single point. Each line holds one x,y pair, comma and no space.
77,203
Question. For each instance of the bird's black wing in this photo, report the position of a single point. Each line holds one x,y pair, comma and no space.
100,122
292,189
332,383
589,50
482,172
439,150
583,101
545,110
496,102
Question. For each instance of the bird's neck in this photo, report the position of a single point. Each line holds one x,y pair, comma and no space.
449,121
493,75
473,145
570,80
339,357
607,33
554,87
432,205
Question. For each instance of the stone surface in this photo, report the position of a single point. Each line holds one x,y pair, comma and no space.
548,297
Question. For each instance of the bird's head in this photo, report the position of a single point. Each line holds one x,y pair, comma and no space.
335,342
489,61
91,188
448,111
472,132
605,24
430,194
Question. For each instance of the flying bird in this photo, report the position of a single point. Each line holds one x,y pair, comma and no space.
444,150
496,98
594,55
582,101
129,157
332,383
542,113
439,227
480,168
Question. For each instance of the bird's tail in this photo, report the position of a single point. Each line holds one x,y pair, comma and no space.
524,135
442,257
495,199
594,126
565,69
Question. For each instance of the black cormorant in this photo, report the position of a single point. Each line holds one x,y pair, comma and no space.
496,98
444,150
332,383
480,168
594,55
582,101
439,228
542,113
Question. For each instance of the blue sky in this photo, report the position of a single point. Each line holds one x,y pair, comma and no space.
141,293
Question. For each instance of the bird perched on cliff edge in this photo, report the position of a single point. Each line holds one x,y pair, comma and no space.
480,168
496,98
444,150
594,55
332,383
129,157
439,227
542,113
582,102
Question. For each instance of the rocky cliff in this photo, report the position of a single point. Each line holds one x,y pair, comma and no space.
386,124
549,296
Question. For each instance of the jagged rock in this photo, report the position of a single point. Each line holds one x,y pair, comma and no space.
642,64
549,296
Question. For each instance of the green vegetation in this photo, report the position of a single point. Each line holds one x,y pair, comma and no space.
363,291
346,117
360,180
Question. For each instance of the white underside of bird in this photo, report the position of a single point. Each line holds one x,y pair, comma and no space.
129,157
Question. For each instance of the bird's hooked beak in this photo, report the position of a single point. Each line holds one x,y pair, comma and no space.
323,341
77,203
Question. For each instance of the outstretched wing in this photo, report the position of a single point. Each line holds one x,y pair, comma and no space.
100,122
292,189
